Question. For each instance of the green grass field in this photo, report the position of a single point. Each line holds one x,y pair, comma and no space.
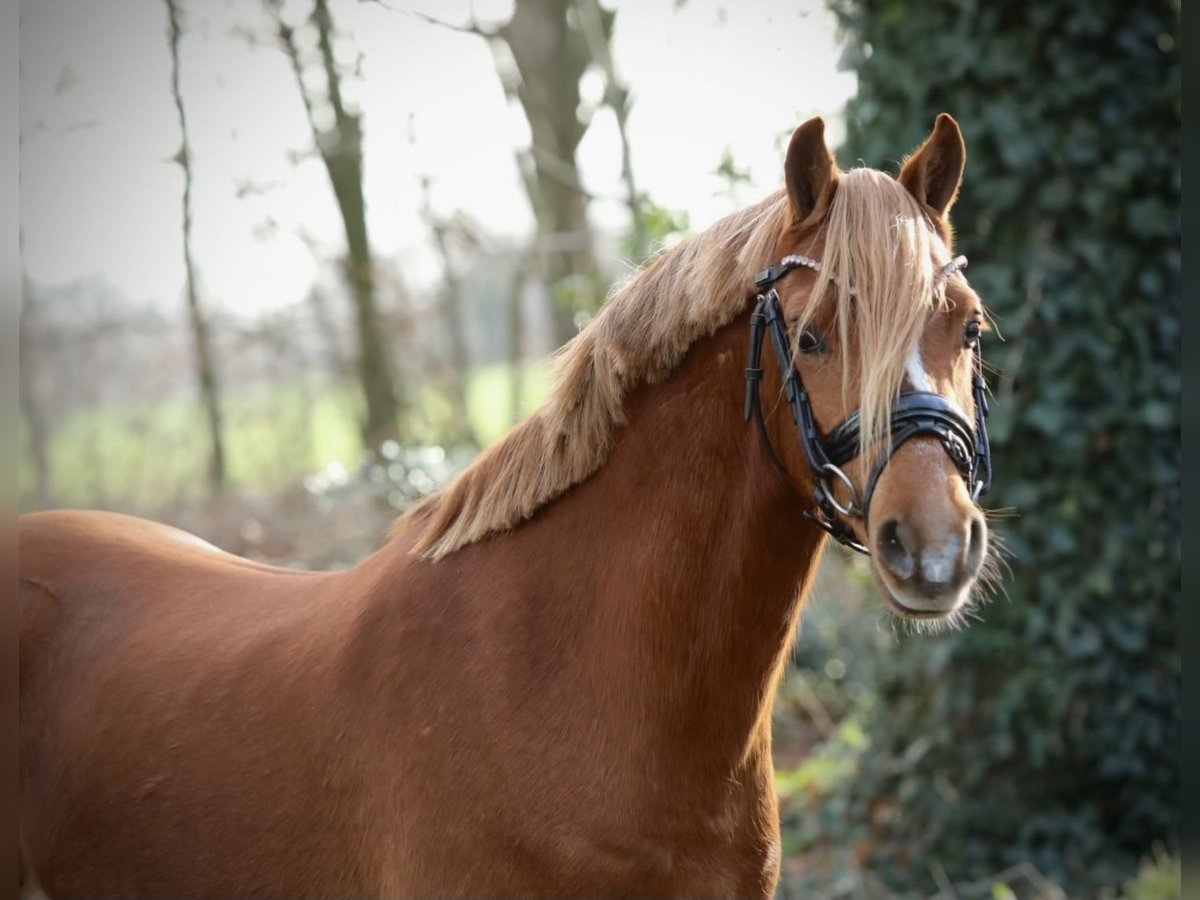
151,455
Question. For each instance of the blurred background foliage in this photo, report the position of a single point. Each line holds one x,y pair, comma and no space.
1034,754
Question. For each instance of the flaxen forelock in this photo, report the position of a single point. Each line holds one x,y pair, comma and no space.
878,234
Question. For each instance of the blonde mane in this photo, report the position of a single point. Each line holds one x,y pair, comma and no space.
875,231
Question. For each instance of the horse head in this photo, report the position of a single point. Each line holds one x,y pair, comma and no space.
879,336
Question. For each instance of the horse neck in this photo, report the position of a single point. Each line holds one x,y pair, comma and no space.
673,578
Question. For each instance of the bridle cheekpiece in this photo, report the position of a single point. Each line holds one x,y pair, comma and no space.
914,414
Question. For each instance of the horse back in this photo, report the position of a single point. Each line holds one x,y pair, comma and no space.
96,586
152,663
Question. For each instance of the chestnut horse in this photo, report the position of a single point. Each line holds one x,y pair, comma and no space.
556,678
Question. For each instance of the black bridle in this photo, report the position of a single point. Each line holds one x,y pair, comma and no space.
914,414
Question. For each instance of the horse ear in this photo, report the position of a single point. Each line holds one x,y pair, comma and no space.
811,171
934,172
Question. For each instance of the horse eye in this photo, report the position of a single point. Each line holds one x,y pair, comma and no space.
972,332
811,341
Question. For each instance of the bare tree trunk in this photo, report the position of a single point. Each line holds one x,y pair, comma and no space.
29,398
206,375
596,24
340,147
551,56
452,319
334,356
516,333
327,331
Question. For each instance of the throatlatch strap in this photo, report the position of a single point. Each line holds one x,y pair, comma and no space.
754,375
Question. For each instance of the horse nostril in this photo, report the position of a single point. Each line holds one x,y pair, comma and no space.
892,551
976,545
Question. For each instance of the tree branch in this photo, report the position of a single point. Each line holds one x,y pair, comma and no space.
473,27
284,32
324,24
616,97
206,373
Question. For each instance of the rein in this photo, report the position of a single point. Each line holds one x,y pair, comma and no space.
914,414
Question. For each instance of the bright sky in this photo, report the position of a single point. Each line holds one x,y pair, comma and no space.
99,197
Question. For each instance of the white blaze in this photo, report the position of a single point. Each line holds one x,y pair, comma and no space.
920,380
917,375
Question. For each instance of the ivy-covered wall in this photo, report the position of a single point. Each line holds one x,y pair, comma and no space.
1049,732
